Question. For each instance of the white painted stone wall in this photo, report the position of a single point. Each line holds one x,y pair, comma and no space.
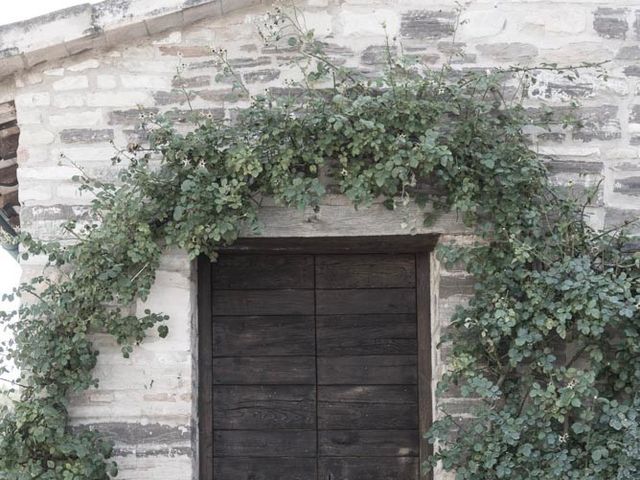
77,105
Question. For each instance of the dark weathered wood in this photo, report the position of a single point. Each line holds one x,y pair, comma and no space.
262,302
367,407
365,271
284,468
275,443
265,370
259,335
366,334
263,271
375,468
369,300
330,245
367,370
205,370
264,407
368,443
423,300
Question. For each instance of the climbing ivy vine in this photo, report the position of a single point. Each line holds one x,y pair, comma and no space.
548,348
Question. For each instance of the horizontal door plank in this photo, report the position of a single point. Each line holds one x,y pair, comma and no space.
263,335
263,302
375,468
276,443
369,300
374,443
365,271
368,370
265,370
264,468
366,334
367,407
263,271
264,407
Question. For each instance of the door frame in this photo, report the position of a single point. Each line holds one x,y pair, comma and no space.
420,245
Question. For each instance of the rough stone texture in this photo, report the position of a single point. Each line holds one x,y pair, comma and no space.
107,67
611,22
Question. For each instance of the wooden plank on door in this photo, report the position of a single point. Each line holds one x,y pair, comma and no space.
290,370
368,468
263,335
366,334
285,468
242,272
375,407
264,407
367,370
366,300
365,271
262,302
368,443
273,443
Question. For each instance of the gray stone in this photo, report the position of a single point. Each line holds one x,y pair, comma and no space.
611,22
130,117
421,24
509,52
615,217
629,53
628,186
187,116
172,97
249,62
86,135
260,76
599,123
137,434
555,89
53,212
634,115
632,71
191,82
635,139
375,55
566,166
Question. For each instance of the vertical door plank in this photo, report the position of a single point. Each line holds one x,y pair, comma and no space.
205,367
423,300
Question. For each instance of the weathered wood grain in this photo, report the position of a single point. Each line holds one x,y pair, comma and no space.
289,468
367,370
365,271
263,271
369,300
264,407
263,302
372,468
263,335
367,407
366,334
275,443
290,370
373,443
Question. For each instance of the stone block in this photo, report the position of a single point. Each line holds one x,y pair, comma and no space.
66,100
34,99
84,65
76,119
145,81
427,24
369,22
610,22
261,76
106,82
517,52
86,135
117,99
77,82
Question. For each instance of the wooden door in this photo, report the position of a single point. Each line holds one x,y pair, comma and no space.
312,369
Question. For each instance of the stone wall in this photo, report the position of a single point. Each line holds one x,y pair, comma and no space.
70,110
